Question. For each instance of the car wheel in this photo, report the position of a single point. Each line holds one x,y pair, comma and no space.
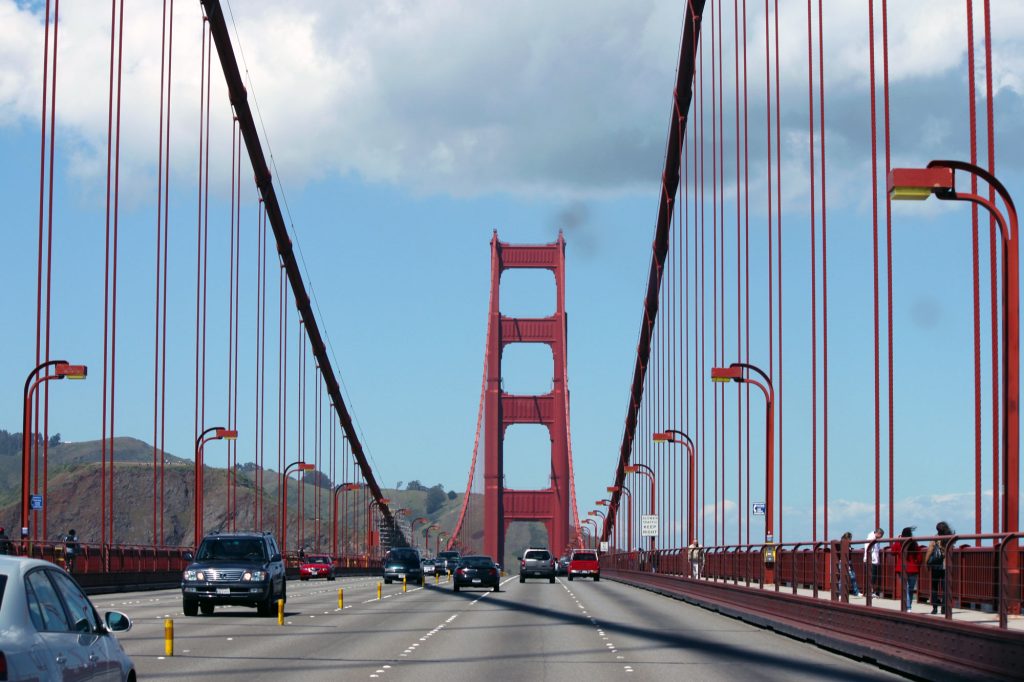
206,608
497,588
551,579
387,581
303,579
455,588
522,579
597,578
570,578
331,577
190,607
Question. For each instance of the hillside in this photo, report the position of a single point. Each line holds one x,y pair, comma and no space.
74,491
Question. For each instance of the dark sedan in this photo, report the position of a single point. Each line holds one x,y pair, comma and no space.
476,571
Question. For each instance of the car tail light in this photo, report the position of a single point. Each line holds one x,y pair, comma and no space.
552,563
492,571
461,571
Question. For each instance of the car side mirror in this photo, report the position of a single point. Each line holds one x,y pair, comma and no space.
187,556
117,621
276,557
519,558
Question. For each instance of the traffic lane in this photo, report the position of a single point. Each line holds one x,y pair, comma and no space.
664,638
530,631
317,641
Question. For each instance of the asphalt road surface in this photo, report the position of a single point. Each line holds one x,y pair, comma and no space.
576,631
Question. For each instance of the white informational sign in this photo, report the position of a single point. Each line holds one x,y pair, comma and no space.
649,525
757,508
604,547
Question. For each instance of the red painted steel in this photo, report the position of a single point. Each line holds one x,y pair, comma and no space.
264,181
550,506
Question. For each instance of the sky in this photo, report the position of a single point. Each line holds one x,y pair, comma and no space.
403,134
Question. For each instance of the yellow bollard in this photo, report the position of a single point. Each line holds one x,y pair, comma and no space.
437,578
378,590
403,585
449,578
280,611
168,637
341,598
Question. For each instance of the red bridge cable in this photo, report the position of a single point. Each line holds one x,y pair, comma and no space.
739,274
716,390
814,278
166,221
824,256
972,111
770,185
745,510
778,224
158,266
232,266
199,241
233,444
888,250
993,246
691,34
874,257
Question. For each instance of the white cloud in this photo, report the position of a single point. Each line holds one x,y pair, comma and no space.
459,97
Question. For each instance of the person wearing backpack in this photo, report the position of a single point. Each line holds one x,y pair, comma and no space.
935,559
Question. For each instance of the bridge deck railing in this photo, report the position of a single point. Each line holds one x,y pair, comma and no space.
982,572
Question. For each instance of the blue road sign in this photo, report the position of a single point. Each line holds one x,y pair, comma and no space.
757,508
35,502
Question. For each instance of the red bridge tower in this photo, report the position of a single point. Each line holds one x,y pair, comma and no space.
551,505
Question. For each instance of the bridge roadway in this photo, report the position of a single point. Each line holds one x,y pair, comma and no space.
577,630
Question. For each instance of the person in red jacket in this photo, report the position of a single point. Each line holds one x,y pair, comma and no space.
911,568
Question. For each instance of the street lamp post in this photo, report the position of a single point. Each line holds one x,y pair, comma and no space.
300,466
649,473
938,179
437,541
629,511
412,528
738,372
340,488
62,370
668,436
369,522
592,524
426,536
219,433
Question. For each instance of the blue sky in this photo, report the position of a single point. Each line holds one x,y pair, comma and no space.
404,133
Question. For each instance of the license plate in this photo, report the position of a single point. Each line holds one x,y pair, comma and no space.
476,580
223,590
401,576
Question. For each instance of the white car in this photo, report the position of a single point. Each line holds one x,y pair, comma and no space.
49,629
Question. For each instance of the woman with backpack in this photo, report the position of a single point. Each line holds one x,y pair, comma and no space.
935,559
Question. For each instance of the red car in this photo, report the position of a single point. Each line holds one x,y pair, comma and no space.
316,567
584,563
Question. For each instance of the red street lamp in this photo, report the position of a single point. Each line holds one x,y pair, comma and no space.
668,436
300,466
426,536
437,541
592,524
629,511
737,372
62,370
384,501
645,470
938,179
219,433
412,528
340,488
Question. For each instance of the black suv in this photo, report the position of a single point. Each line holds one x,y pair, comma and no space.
243,569
403,562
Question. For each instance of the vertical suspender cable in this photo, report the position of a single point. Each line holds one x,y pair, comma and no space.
975,279
874,258
824,258
166,114
814,279
778,253
993,250
745,509
888,247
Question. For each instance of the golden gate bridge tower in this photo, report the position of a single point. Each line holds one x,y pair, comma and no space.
555,505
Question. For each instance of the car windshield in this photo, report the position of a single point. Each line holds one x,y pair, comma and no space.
584,556
448,555
318,560
231,549
539,555
403,555
477,561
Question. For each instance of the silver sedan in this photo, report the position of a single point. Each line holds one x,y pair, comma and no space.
50,630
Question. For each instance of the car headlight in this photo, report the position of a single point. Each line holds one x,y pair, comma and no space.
192,574
254,575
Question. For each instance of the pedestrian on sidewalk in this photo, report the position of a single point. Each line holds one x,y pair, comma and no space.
910,568
696,557
935,559
873,555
